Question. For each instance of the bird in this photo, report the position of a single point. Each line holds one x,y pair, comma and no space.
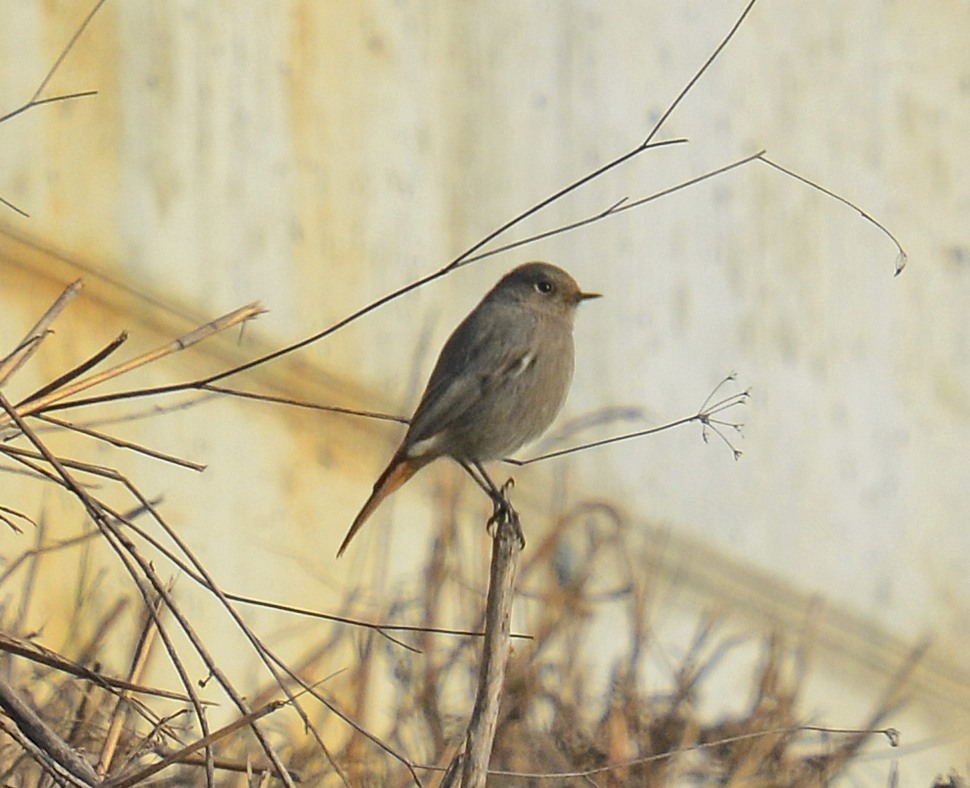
498,383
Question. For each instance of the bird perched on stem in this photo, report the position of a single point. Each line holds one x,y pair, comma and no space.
499,382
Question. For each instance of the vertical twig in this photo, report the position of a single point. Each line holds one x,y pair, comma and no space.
143,650
495,654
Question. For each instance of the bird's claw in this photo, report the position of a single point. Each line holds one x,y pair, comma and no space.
503,512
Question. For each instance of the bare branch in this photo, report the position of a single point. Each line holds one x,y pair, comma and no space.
901,256
123,444
382,628
36,101
28,345
614,210
15,208
228,320
13,513
54,771
891,734
495,655
130,558
700,72
41,734
66,50
143,648
704,415
41,656
78,370
247,720
367,414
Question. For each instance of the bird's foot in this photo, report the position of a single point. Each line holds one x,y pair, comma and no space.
503,512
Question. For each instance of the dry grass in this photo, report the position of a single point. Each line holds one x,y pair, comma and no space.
397,711
561,726
556,719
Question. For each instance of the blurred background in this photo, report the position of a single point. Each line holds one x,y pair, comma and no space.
316,156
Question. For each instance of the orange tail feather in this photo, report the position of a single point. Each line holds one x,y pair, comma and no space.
398,471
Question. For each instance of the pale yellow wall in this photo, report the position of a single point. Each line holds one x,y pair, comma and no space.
316,155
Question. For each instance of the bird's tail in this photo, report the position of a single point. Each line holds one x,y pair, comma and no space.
398,471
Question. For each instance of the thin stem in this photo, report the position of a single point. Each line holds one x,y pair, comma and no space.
901,253
700,72
64,53
703,415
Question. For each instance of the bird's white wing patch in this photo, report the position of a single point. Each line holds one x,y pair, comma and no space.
524,363
426,446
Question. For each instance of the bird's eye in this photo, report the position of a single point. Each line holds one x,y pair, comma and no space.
543,286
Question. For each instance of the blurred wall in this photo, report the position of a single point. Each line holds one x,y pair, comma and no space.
315,156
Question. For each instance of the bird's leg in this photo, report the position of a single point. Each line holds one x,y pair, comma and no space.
473,471
500,501
502,510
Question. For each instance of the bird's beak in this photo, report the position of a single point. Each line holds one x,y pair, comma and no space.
587,296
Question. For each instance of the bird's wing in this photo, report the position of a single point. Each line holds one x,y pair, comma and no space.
481,356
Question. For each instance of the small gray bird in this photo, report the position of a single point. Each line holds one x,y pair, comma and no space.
500,380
